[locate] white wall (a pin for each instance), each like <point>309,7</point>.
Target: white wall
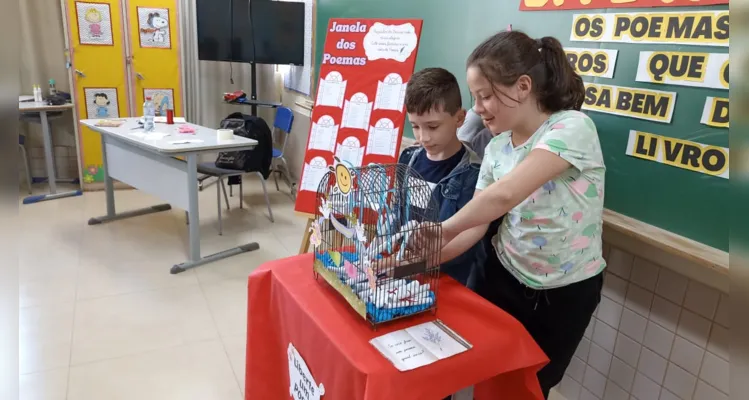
<point>657,333</point>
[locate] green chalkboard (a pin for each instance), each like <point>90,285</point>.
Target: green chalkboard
<point>687,203</point>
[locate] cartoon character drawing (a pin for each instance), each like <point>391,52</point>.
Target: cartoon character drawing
<point>101,101</point>
<point>157,25</point>
<point>343,178</point>
<point>93,16</point>
<point>161,102</point>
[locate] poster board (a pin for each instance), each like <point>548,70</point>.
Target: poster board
<point>684,202</point>
<point>359,109</point>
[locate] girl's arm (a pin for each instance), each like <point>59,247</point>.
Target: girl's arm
<point>501,196</point>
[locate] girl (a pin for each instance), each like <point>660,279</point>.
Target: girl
<point>543,174</point>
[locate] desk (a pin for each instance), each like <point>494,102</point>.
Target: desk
<point>286,305</point>
<point>42,108</point>
<point>130,156</point>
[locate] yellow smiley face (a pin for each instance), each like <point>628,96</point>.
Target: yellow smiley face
<point>343,178</point>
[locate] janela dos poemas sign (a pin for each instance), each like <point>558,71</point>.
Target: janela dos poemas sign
<point>359,110</point>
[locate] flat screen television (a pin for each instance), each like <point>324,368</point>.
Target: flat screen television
<point>259,31</point>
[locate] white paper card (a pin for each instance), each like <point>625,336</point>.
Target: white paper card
<point>357,112</point>
<point>383,138</point>
<point>324,134</point>
<point>351,151</point>
<point>313,174</point>
<point>420,345</point>
<point>391,92</point>
<point>331,90</point>
<point>302,384</point>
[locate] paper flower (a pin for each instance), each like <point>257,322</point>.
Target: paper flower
<point>315,236</point>
<point>350,269</point>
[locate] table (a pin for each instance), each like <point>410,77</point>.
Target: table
<point>148,162</point>
<point>287,305</point>
<point>42,108</point>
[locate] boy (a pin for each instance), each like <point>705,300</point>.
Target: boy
<point>448,166</point>
<point>474,133</point>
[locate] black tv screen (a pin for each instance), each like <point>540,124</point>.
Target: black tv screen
<point>264,32</point>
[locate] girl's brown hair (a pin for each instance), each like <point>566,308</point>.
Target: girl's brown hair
<point>506,56</point>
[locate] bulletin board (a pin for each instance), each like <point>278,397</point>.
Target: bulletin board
<point>664,143</point>
<point>359,109</point>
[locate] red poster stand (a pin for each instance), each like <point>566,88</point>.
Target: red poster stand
<point>359,112</point>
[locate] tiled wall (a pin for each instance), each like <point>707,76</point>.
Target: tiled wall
<point>656,335</point>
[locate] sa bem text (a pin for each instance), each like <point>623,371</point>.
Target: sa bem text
<point>639,103</point>
<point>344,44</point>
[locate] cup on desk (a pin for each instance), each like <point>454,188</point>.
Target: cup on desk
<point>169,116</point>
<point>224,134</point>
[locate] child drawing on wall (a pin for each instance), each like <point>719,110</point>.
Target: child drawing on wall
<point>101,101</point>
<point>161,102</point>
<point>93,16</point>
<point>156,25</point>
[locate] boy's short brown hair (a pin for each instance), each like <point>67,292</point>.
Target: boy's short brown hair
<point>433,89</point>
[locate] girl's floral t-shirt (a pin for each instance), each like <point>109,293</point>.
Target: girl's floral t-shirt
<point>553,238</point>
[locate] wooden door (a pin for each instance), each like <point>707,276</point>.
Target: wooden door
<point>100,81</point>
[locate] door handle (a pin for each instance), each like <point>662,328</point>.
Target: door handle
<point>80,73</point>
<point>139,76</point>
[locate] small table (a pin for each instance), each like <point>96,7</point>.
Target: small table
<point>286,305</point>
<point>147,161</point>
<point>42,108</point>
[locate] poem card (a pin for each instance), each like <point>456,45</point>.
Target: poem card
<point>323,134</point>
<point>357,112</point>
<point>313,174</point>
<point>391,92</point>
<point>350,150</point>
<point>331,90</point>
<point>383,138</point>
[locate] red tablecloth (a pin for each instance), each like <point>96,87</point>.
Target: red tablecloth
<point>286,304</point>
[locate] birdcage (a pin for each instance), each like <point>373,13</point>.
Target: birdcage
<point>363,233</point>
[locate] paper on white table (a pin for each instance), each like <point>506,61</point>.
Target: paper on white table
<point>162,120</point>
<point>420,345</point>
<point>186,141</point>
<point>150,135</point>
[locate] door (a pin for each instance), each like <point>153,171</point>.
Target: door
<point>154,54</point>
<point>100,81</point>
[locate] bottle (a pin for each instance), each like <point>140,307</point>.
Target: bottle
<point>149,112</point>
<point>52,88</point>
<point>37,93</point>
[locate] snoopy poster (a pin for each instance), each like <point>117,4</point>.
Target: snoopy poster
<point>153,27</point>
<point>94,23</point>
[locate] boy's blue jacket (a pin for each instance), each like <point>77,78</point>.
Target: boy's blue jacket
<point>452,193</point>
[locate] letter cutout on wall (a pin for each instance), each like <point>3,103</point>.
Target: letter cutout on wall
<point>592,62</point>
<point>695,28</point>
<point>692,156</point>
<point>709,70</point>
<point>651,105</point>
<point>715,112</point>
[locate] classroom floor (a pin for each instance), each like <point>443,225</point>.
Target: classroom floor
<point>102,318</point>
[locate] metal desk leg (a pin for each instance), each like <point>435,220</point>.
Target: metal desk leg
<point>109,192</point>
<point>50,161</point>
<point>194,227</point>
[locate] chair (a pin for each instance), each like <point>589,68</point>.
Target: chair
<point>22,147</point>
<point>282,124</point>
<point>210,169</point>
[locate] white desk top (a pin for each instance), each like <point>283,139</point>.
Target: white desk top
<point>167,139</point>
<point>38,106</point>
